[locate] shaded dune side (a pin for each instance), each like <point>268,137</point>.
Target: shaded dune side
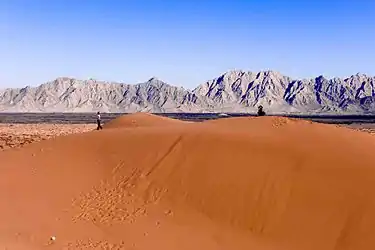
<point>305,185</point>
<point>141,120</point>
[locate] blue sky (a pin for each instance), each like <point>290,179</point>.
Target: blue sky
<point>183,43</point>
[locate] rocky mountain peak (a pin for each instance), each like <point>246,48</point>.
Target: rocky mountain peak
<point>154,79</point>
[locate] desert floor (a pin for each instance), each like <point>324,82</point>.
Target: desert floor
<point>17,135</point>
<point>149,182</point>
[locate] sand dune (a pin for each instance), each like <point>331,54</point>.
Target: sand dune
<point>236,183</point>
<point>141,120</point>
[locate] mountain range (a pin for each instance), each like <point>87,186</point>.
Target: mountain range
<point>233,91</point>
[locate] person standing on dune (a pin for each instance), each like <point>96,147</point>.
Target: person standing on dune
<point>261,111</point>
<point>98,121</point>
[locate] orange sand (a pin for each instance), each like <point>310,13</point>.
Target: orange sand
<point>237,183</point>
<point>141,120</point>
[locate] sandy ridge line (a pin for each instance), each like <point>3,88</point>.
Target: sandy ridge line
<point>18,135</point>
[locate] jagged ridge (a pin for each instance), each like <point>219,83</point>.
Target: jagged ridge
<point>234,91</point>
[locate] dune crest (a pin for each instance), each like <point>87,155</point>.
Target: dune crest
<point>236,183</point>
<point>141,120</point>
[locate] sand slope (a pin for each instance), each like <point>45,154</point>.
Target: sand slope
<point>141,120</point>
<point>237,183</point>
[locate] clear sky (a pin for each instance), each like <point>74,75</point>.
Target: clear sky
<point>182,42</point>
